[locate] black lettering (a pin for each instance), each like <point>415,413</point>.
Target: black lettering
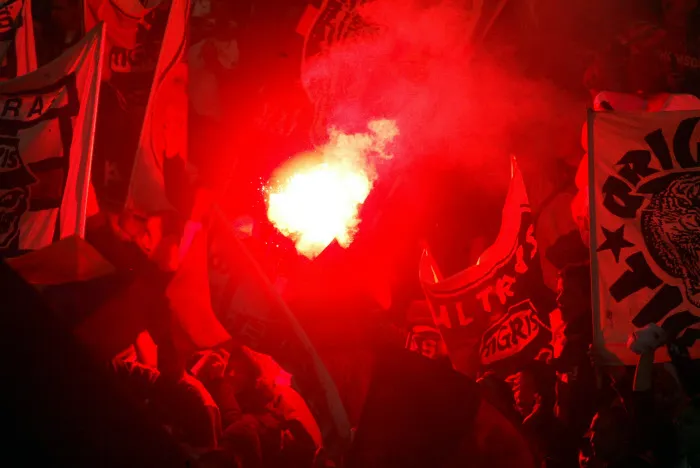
<point>489,347</point>
<point>675,324</point>
<point>503,338</point>
<point>681,143</point>
<point>12,104</point>
<point>493,346</point>
<point>689,337</point>
<point>639,277</point>
<point>534,323</point>
<point>516,330</point>
<point>6,156</point>
<point>619,200</point>
<point>664,301</point>
<point>528,324</point>
<point>37,107</point>
<point>658,145</point>
<point>635,166</point>
<point>119,59</point>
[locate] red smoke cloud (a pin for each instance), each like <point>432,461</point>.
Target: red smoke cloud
<point>461,111</point>
<point>415,63</point>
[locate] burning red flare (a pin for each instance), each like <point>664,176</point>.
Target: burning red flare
<point>316,197</point>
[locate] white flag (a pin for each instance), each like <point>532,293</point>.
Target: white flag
<point>645,226</point>
<point>17,27</point>
<point>164,133</point>
<point>47,121</point>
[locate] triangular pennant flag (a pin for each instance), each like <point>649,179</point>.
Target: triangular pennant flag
<point>494,315</point>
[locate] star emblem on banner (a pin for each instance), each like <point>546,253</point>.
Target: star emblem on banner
<point>615,241</point>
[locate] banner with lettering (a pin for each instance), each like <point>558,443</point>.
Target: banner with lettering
<point>494,315</point>
<point>47,120</point>
<point>644,176</point>
<point>17,27</point>
<point>134,35</point>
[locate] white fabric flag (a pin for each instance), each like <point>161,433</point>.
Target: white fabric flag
<point>644,179</point>
<point>17,27</point>
<point>164,133</point>
<point>47,121</point>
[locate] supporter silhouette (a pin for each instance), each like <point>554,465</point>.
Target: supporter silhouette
<point>258,431</point>
<point>181,404</point>
<point>576,382</point>
<point>535,395</point>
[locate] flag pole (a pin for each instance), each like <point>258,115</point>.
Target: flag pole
<point>91,116</point>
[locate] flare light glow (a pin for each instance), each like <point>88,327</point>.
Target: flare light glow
<point>315,198</point>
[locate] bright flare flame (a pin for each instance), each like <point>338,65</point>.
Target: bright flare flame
<point>316,197</point>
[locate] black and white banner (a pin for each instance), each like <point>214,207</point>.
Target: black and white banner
<point>644,179</point>
<point>47,121</point>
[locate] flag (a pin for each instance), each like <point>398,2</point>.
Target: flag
<point>46,134</point>
<point>164,132</point>
<point>134,36</point>
<point>132,43</point>
<point>253,313</point>
<point>17,27</point>
<point>643,180</point>
<point>625,103</point>
<point>189,299</point>
<point>494,315</point>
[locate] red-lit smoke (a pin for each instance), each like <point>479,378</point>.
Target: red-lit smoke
<point>416,63</point>
<point>457,106</point>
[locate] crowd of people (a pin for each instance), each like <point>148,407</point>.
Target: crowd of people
<point>231,406</point>
<point>573,409</point>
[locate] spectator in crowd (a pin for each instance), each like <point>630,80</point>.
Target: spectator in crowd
<point>535,397</point>
<point>499,394</point>
<point>265,423</point>
<point>576,378</point>
<point>236,407</point>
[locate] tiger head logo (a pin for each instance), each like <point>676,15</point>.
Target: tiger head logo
<point>671,227</point>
